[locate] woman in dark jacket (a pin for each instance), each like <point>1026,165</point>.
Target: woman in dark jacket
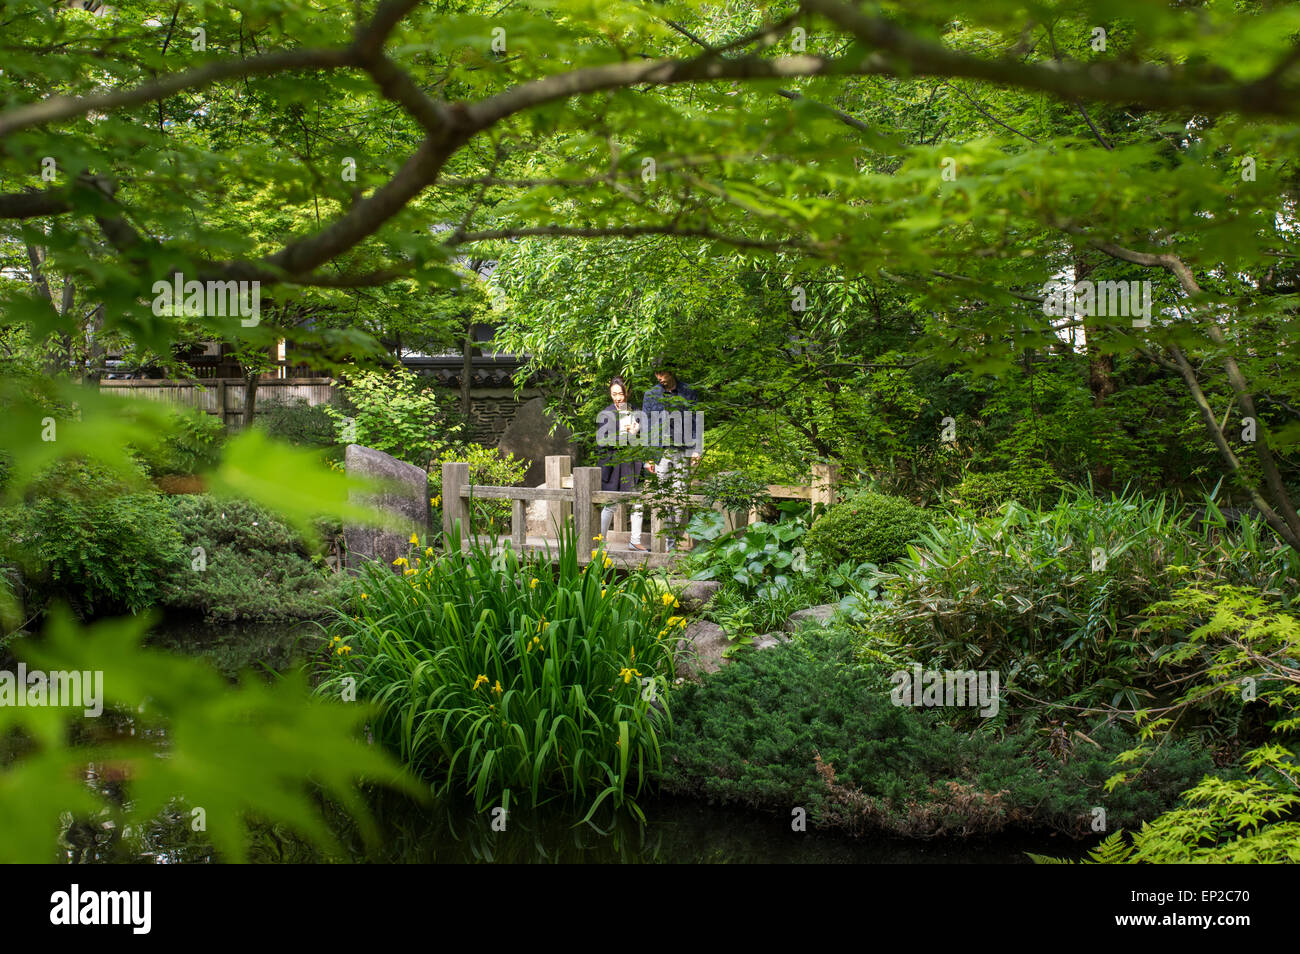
<point>620,467</point>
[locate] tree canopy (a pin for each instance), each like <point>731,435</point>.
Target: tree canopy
<point>827,209</point>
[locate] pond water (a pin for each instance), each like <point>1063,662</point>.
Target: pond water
<point>677,831</point>
<point>680,831</point>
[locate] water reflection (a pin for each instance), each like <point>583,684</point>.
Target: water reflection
<point>677,832</point>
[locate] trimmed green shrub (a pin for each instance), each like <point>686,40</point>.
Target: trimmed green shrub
<point>87,537</point>
<point>803,724</point>
<point>254,566</point>
<point>869,528</point>
<point>297,422</point>
<point>985,493</point>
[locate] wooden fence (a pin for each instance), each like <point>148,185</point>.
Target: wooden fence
<point>573,495</point>
<point>223,397</point>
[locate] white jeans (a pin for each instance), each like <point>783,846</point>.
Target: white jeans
<point>607,519</point>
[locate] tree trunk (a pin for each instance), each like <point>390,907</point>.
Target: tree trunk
<point>66,303</point>
<point>94,346</point>
<point>250,398</point>
<point>1101,376</point>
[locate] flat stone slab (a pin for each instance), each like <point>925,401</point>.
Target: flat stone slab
<point>812,616</point>
<point>405,497</point>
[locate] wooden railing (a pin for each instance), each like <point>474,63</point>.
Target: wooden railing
<point>574,494</point>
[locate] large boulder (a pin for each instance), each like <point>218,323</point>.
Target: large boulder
<point>530,437</point>
<point>702,644</point>
<point>404,497</point>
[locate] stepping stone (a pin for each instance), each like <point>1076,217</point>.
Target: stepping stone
<point>768,640</point>
<point>695,594</point>
<point>812,616</point>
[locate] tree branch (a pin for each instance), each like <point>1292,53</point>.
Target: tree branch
<point>1153,86</point>
<point>56,108</point>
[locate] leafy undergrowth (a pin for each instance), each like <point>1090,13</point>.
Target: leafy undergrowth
<point>804,725</point>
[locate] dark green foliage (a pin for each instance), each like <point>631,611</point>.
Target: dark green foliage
<point>297,422</point>
<point>194,445</point>
<point>1243,640</point>
<point>868,528</point>
<point>87,537</point>
<point>803,724</point>
<point>257,567</point>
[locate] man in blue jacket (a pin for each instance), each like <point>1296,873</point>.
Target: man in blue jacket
<point>677,429</point>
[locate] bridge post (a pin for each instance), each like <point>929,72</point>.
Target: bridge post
<point>558,512</point>
<point>518,525</point>
<point>586,481</point>
<point>824,479</point>
<point>455,484</point>
<point>657,542</point>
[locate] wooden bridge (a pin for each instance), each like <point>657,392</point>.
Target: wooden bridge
<point>573,496</point>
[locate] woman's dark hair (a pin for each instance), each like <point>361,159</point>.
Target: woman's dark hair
<point>617,379</point>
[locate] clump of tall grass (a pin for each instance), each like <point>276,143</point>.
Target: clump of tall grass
<point>1053,597</point>
<point>503,676</point>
